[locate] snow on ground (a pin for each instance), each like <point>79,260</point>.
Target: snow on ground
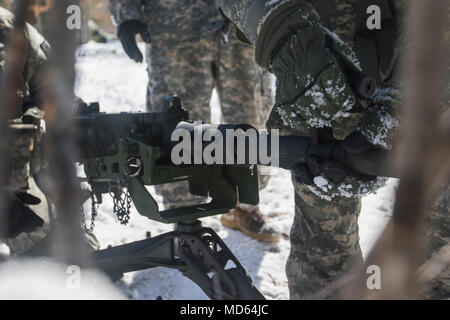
<point>106,75</point>
<point>44,279</point>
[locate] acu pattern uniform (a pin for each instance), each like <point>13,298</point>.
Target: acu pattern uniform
<point>324,236</point>
<point>23,151</point>
<point>193,50</point>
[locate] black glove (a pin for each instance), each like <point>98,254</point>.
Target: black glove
<point>16,216</point>
<point>316,165</point>
<point>82,108</point>
<point>127,35</point>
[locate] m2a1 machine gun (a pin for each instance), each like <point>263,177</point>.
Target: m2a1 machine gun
<point>122,153</point>
<point>125,152</point>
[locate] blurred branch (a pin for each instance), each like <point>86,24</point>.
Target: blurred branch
<point>422,158</point>
<point>59,143</point>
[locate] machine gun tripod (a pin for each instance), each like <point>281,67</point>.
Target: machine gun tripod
<point>197,252</point>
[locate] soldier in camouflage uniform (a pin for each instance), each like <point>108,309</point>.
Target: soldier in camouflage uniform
<point>29,211</point>
<point>194,50</point>
<point>310,47</point>
<point>26,220</point>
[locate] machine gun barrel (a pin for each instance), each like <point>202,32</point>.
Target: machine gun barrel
<point>290,151</point>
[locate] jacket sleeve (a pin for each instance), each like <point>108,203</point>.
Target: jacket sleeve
<point>33,63</point>
<point>268,23</point>
<point>123,10</point>
<point>36,65</point>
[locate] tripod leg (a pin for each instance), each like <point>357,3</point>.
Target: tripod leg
<point>208,261</point>
<point>199,253</point>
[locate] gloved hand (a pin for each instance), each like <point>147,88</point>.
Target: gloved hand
<point>328,178</point>
<point>334,171</point>
<point>314,167</point>
<point>381,120</point>
<point>82,108</point>
<point>16,216</point>
<point>127,35</point>
<point>313,90</point>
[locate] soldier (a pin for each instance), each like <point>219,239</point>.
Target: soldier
<point>26,207</point>
<point>27,221</point>
<point>194,50</point>
<point>317,49</point>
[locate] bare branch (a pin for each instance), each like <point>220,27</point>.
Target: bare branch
<point>60,146</point>
<point>422,157</point>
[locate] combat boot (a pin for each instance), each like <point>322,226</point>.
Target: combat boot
<point>249,219</point>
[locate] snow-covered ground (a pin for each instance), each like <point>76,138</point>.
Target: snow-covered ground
<point>106,75</point>
<point>45,279</point>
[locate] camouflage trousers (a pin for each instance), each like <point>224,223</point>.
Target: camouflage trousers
<point>325,242</point>
<point>192,71</point>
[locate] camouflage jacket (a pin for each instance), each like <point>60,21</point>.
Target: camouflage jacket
<point>23,152</point>
<point>268,23</point>
<point>170,22</point>
<point>338,16</point>
<point>36,57</point>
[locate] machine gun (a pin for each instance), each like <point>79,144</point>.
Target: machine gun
<point>122,153</point>
<point>128,151</point>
